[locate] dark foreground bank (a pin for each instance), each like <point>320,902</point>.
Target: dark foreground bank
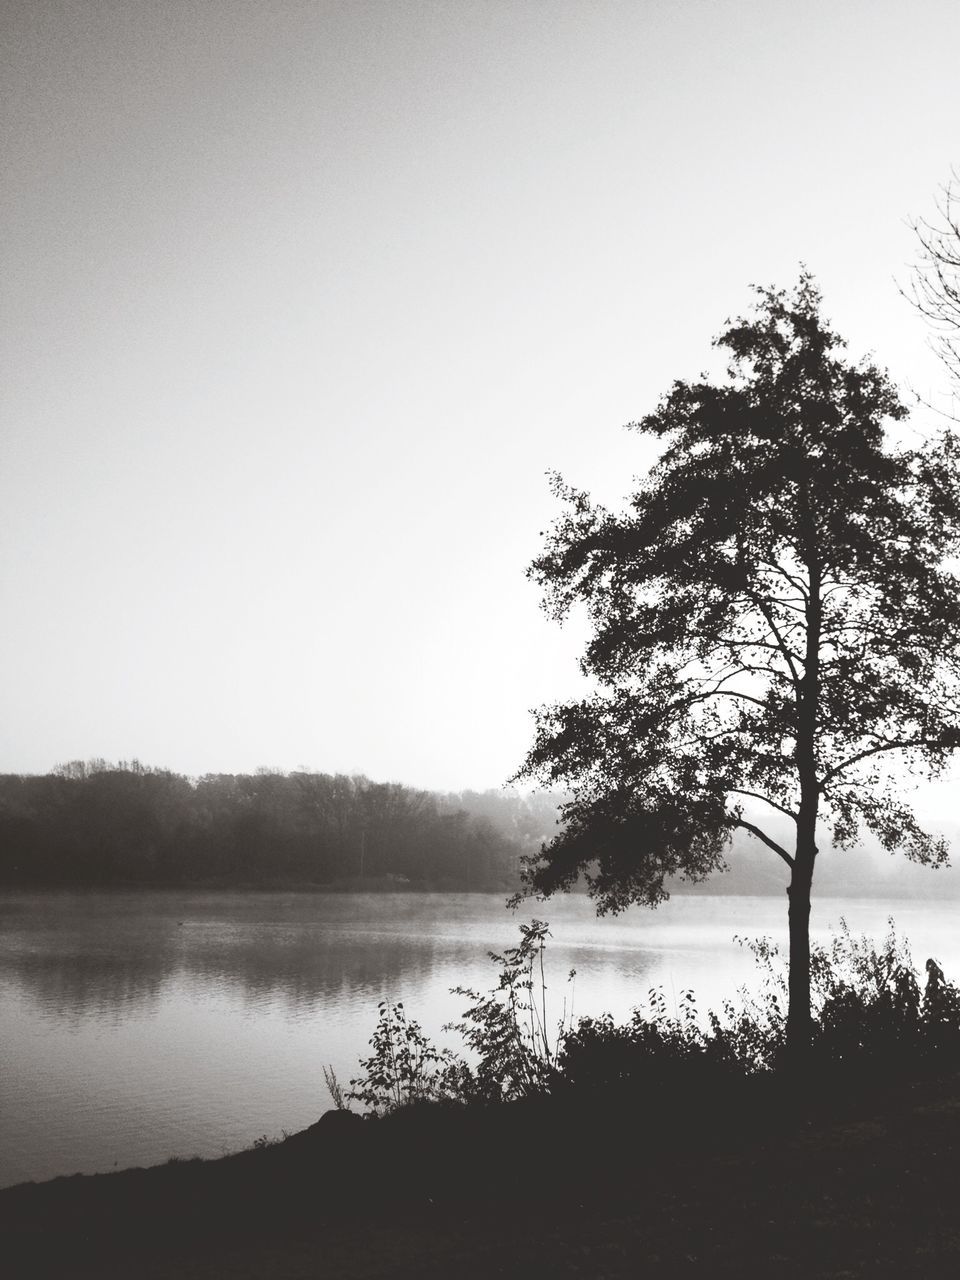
<point>852,1187</point>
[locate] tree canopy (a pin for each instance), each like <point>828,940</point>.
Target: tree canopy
<point>773,617</point>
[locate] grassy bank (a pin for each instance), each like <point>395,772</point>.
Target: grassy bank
<point>849,1186</point>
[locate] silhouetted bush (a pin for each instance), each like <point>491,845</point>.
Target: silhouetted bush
<point>873,1024</point>
<point>508,1028</point>
<point>405,1067</point>
<point>873,1015</point>
<point>652,1050</point>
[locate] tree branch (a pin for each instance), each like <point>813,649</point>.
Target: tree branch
<point>766,800</point>
<point>721,693</point>
<point>794,581</point>
<point>768,616</point>
<point>771,844</point>
<point>904,744</point>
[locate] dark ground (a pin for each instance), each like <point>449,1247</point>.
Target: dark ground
<point>866,1187</point>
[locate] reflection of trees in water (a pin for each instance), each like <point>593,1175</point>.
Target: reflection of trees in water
<point>301,968</point>
<point>72,984</point>
<point>116,954</point>
<point>306,966</point>
<point>101,955</point>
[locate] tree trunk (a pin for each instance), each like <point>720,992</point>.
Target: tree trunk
<point>801,879</point>
<point>798,1013</point>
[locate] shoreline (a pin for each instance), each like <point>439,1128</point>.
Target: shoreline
<point>859,1187</point>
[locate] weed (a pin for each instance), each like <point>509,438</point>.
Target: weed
<point>405,1067</point>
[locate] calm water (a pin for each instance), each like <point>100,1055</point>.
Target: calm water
<point>138,1026</point>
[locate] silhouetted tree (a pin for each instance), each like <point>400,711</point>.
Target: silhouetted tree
<point>771,619</point>
<point>935,284</point>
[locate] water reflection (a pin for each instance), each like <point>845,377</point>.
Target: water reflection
<point>77,955</point>
<point>81,955</point>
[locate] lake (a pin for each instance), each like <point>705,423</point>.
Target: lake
<point>136,1026</point>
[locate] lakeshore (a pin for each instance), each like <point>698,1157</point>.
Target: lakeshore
<point>855,1187</point>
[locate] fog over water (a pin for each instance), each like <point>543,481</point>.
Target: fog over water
<point>139,1026</point>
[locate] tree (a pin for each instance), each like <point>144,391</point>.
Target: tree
<point>772,619</point>
<point>935,285</point>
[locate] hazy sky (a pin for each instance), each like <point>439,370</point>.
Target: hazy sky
<point>301,300</point>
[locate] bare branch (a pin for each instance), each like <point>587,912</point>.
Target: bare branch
<point>771,844</point>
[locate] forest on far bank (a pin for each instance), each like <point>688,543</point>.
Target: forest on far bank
<point>100,824</point>
<point>97,823</point>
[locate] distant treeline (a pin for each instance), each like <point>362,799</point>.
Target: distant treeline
<point>99,824</point>
<point>96,823</point>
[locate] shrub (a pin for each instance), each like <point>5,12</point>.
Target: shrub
<point>598,1054</point>
<point>940,1013</point>
<point>872,1022</point>
<point>507,1028</point>
<point>405,1067</point>
<point>872,1013</point>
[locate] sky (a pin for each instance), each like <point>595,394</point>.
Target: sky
<point>302,301</point>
